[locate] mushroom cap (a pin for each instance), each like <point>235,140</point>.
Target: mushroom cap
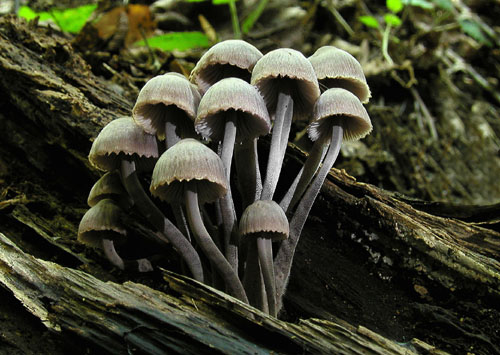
<point>189,161</point>
<point>286,68</point>
<point>102,221</point>
<point>265,219</point>
<point>109,186</point>
<point>123,138</point>
<point>228,96</point>
<point>335,67</point>
<point>339,106</point>
<point>167,97</point>
<point>230,58</point>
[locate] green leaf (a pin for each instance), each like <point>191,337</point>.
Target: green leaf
<point>392,20</point>
<point>444,4</point>
<point>72,20</point>
<point>423,4</point>
<point>222,2</point>
<point>181,41</point>
<point>472,28</point>
<point>394,5</point>
<point>253,16</point>
<point>68,20</point>
<point>369,21</point>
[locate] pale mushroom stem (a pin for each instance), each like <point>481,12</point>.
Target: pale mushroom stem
<point>109,250</point>
<point>168,231</point>
<point>276,151</point>
<point>226,203</point>
<point>253,281</point>
<point>305,175</point>
<point>248,172</point>
<point>171,138</point>
<point>207,245</point>
<point>283,260</point>
<point>265,249</point>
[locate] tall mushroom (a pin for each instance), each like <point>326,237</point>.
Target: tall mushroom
<point>286,80</point>
<point>191,173</point>
<point>338,114</point>
<point>266,222</point>
<point>232,111</point>
<point>123,144</point>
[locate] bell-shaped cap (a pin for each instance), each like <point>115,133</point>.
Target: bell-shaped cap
<point>167,97</point>
<point>339,106</point>
<point>109,186</point>
<point>287,68</point>
<point>335,67</point>
<point>229,96</point>
<point>123,138</point>
<point>230,58</point>
<point>188,162</point>
<point>264,219</point>
<point>102,221</point>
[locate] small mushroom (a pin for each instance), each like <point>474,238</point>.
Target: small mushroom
<point>109,186</point>
<point>338,115</point>
<point>230,58</point>
<point>286,80</point>
<point>191,173</point>
<point>123,144</point>
<point>336,68</point>
<point>265,221</point>
<point>166,106</point>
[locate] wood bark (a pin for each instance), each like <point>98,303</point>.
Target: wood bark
<point>373,271</point>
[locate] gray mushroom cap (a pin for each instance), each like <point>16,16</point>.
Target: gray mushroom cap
<point>123,138</point>
<point>339,106</point>
<point>188,161</point>
<point>230,58</point>
<point>265,219</point>
<point>102,221</point>
<point>285,67</point>
<point>167,97</point>
<point>335,67</point>
<point>232,95</point>
<point>109,186</point>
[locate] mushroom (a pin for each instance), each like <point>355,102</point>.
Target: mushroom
<point>109,186</point>
<point>265,221</point>
<point>191,173</point>
<point>100,226</point>
<point>336,68</point>
<point>338,114</point>
<point>230,58</point>
<point>166,106</point>
<point>123,144</point>
<point>231,111</point>
<point>286,80</point>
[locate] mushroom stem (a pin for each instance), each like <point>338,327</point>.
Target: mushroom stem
<point>168,231</point>
<point>265,249</point>
<point>109,250</point>
<point>248,172</point>
<point>252,281</point>
<point>171,136</point>
<point>304,176</point>
<point>283,113</point>
<point>283,260</point>
<point>207,245</point>
<point>226,203</point>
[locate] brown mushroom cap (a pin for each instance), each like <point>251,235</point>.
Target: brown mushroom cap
<point>232,95</point>
<point>109,186</point>
<point>231,58</point>
<point>338,105</point>
<point>335,67</point>
<point>285,67</point>
<point>102,221</point>
<point>123,138</point>
<point>265,218</point>
<point>188,161</point>
<point>167,97</point>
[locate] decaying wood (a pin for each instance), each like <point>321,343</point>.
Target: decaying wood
<point>366,256</point>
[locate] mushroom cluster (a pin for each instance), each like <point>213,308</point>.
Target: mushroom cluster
<point>183,136</point>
